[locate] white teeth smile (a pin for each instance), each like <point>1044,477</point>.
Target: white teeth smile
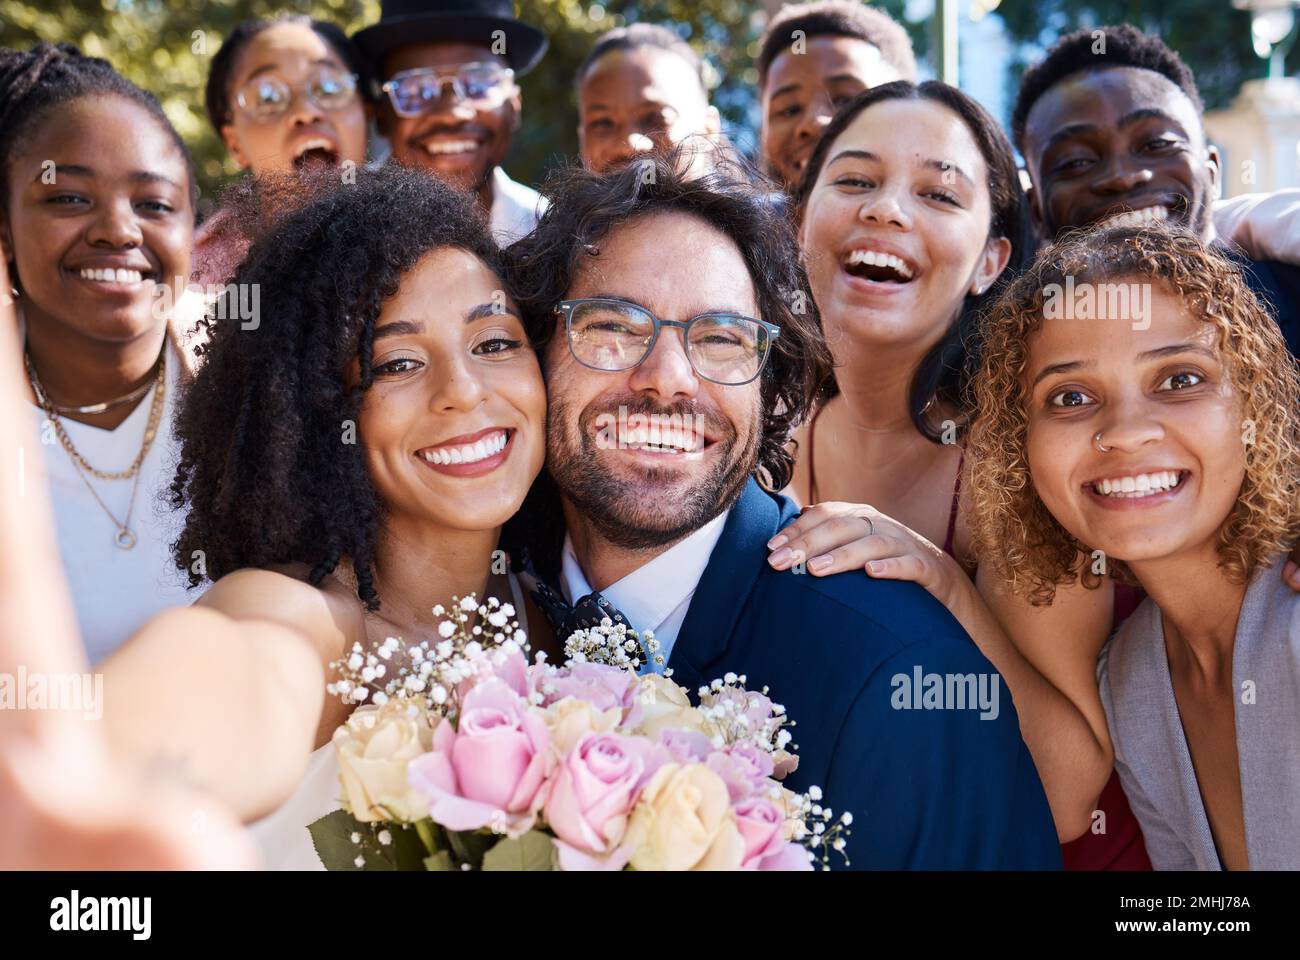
<point>878,258</point>
<point>438,147</point>
<point>112,276</point>
<point>1136,218</point>
<point>1139,485</point>
<point>488,446</point>
<point>667,440</point>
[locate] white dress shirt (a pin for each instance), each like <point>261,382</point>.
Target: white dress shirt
<point>515,208</point>
<point>656,595</point>
<point>1265,225</point>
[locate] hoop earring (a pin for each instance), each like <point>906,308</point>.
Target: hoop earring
<point>1096,442</point>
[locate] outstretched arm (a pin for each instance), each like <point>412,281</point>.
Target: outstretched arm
<point>1063,726</point>
<point>67,800</point>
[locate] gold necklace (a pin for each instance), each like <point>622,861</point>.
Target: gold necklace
<point>125,538</point>
<point>91,409</point>
<point>150,431</point>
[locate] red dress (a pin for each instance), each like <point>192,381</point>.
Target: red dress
<point>1121,846</point>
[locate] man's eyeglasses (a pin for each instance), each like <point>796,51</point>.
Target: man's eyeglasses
<point>485,85</point>
<point>268,96</point>
<point>609,334</point>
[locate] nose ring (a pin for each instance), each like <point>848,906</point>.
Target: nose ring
<point>1096,442</point>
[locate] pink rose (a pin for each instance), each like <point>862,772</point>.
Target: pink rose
<point>591,796</point>
<point>600,685</point>
<point>510,664</point>
<point>744,767</point>
<point>686,746</point>
<point>789,857</point>
<point>490,770</point>
<point>760,824</point>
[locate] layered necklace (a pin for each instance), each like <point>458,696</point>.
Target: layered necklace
<point>125,537</point>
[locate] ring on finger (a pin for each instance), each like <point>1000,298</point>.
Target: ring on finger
<point>871,527</point>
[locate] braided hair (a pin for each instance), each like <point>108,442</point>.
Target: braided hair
<point>35,81</point>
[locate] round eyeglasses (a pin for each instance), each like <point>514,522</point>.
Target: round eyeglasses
<point>414,92</point>
<point>267,97</point>
<point>606,333</point>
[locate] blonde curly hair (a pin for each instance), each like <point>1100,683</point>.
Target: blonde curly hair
<point>1012,529</point>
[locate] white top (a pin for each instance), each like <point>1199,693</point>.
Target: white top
<point>282,835</point>
<point>515,208</point>
<point>1265,225</point>
<point>113,590</point>
<point>656,595</point>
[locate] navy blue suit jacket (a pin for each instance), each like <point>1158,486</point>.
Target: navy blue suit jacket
<point>928,789</point>
<point>1278,285</point>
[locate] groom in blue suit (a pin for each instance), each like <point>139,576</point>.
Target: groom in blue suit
<point>679,351</point>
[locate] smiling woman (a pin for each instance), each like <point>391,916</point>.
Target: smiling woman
<point>350,463</point>
<point>1168,449</point>
<point>96,221</point>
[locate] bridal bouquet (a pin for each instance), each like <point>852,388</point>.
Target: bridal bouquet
<point>462,755</point>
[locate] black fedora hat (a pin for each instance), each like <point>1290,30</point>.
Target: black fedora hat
<point>405,22</point>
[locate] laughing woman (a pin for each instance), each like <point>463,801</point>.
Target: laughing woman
<point>96,219</point>
<point>1172,447</point>
<point>350,463</point>
<point>286,96</point>
<point>911,216</point>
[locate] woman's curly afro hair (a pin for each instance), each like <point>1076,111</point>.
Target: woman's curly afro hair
<point>1013,530</point>
<point>270,469</point>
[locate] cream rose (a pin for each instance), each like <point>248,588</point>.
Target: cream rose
<point>661,705</point>
<point>374,747</point>
<point>683,821</point>
<point>570,719</point>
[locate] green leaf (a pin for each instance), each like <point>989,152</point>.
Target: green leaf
<point>439,861</point>
<point>469,846</point>
<point>331,835</point>
<point>534,851</point>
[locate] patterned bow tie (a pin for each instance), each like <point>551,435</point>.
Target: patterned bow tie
<point>567,618</point>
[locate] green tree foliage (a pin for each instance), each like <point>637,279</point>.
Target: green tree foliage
<point>1212,36</point>
<point>165,46</point>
